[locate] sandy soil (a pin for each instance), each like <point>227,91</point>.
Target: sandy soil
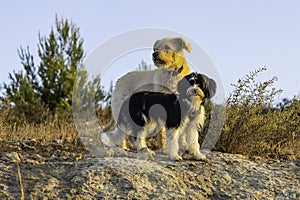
<point>58,173</point>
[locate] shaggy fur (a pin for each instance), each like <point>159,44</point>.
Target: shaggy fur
<point>168,53</point>
<point>181,115</point>
<point>168,56</point>
<point>138,81</point>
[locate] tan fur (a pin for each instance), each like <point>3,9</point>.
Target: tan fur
<point>170,61</point>
<point>176,140</point>
<point>171,55</point>
<point>158,80</point>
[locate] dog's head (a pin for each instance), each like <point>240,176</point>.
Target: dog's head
<point>197,87</point>
<point>168,53</point>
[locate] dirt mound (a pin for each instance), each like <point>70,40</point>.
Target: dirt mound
<point>73,175</point>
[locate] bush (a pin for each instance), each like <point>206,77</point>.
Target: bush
<point>254,125</point>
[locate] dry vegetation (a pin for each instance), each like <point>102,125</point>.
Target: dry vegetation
<point>254,125</point>
<point>42,134</point>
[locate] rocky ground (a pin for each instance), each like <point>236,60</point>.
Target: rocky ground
<point>63,174</point>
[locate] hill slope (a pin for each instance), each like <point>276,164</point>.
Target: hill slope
<point>65,175</point>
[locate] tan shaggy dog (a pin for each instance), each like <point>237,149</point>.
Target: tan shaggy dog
<point>168,53</point>
<point>168,57</point>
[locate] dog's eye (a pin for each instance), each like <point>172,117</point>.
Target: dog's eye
<point>192,81</point>
<point>167,48</point>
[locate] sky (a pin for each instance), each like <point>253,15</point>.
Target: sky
<point>238,36</point>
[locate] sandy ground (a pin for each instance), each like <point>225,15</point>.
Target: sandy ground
<point>62,174</point>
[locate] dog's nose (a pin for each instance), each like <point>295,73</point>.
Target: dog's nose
<point>155,54</point>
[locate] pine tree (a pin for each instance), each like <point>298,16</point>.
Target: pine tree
<point>48,86</point>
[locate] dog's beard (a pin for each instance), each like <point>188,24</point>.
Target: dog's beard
<point>160,62</point>
<point>164,59</point>
<point>195,91</point>
<point>195,96</point>
<point>169,59</point>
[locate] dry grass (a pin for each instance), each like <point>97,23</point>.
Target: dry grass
<point>254,126</point>
<point>17,160</point>
<point>273,134</point>
<point>43,134</point>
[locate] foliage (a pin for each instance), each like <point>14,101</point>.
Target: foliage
<point>46,89</point>
<point>255,126</point>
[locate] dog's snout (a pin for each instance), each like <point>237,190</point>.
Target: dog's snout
<point>194,91</point>
<point>155,54</point>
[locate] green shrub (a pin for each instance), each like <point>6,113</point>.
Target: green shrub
<point>254,125</point>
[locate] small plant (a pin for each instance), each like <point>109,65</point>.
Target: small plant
<point>255,126</point>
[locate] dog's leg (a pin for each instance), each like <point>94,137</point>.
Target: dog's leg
<point>173,144</point>
<point>113,139</point>
<point>141,139</point>
<point>161,139</point>
<point>127,144</point>
<point>144,152</point>
<point>182,143</point>
<point>192,143</point>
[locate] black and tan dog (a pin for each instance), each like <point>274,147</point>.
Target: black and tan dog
<point>168,57</point>
<point>181,115</point>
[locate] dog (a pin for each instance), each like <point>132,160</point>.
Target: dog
<point>138,81</point>
<point>168,53</point>
<point>168,56</point>
<point>181,115</point>
<point>158,80</point>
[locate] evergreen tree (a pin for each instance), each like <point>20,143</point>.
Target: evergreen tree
<point>48,86</point>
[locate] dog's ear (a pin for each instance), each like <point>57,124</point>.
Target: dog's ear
<point>183,44</point>
<point>155,44</point>
<point>212,87</point>
<point>209,86</point>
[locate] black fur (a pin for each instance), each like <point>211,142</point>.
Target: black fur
<point>169,108</point>
<point>207,85</point>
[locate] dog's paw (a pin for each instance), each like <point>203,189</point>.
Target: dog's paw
<point>176,158</point>
<point>145,154</point>
<point>201,157</point>
<point>163,151</point>
<point>146,150</point>
<point>179,158</point>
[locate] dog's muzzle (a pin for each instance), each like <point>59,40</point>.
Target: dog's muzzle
<point>192,91</point>
<point>156,59</point>
<point>155,55</point>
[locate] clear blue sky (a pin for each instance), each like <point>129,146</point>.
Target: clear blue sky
<point>239,36</point>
